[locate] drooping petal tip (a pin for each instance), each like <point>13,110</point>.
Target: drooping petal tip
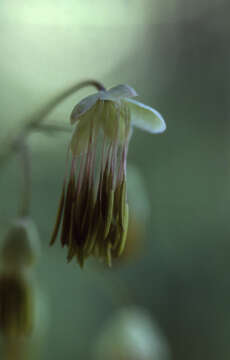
<point>83,106</point>
<point>145,117</point>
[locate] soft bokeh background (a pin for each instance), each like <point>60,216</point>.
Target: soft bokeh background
<point>176,55</point>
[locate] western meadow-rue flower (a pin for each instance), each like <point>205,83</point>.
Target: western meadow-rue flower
<point>93,204</point>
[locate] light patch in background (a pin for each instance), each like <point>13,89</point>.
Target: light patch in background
<point>43,43</point>
<point>87,12</point>
<point>131,334</point>
<point>48,46</point>
<point>103,13</point>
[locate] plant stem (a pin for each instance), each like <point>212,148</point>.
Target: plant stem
<point>37,117</point>
<point>26,173</point>
<point>40,115</point>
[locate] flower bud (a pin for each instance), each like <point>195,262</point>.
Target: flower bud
<point>16,305</point>
<point>21,244</point>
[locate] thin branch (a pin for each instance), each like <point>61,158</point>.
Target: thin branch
<point>26,174</point>
<point>11,144</point>
<point>15,349</point>
<point>39,116</point>
<point>50,129</point>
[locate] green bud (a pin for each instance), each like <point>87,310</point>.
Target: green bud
<point>16,305</point>
<point>21,244</point>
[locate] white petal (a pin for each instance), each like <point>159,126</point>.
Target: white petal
<point>83,106</point>
<point>145,117</point>
<point>118,92</point>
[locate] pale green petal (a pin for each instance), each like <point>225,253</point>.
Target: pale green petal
<point>115,121</point>
<point>80,138</point>
<point>118,92</point>
<point>145,117</point>
<point>89,121</point>
<point>83,106</point>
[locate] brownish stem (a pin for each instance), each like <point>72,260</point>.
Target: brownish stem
<point>40,115</point>
<point>36,118</point>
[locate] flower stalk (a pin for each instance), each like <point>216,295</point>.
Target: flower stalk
<point>33,122</point>
<point>26,174</point>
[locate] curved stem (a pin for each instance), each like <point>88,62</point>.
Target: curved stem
<point>35,119</point>
<point>40,115</point>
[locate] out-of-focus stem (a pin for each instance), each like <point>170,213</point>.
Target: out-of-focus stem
<point>40,115</point>
<point>37,117</point>
<point>26,178</point>
<point>15,349</point>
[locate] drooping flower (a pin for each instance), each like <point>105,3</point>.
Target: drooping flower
<point>93,204</point>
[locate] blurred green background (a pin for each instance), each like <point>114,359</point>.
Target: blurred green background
<point>176,55</point>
